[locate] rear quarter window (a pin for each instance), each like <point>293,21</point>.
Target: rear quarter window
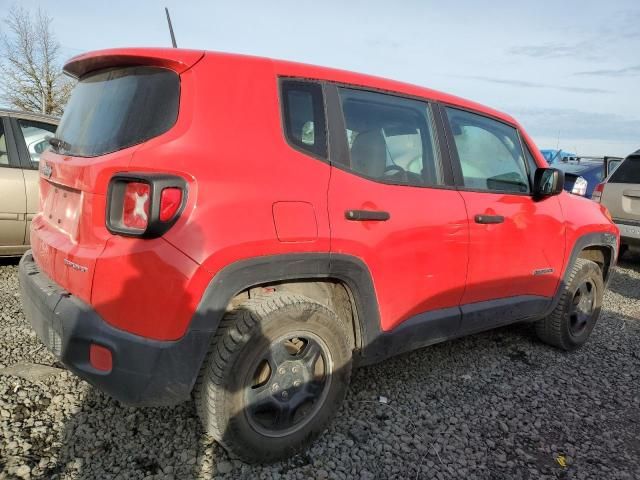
<point>303,116</point>
<point>117,108</point>
<point>627,172</point>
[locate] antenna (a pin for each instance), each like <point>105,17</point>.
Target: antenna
<point>173,37</point>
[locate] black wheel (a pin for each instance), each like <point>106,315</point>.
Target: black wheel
<point>276,373</point>
<point>573,319</point>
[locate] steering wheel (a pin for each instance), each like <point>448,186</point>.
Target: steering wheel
<point>393,169</point>
<point>396,171</point>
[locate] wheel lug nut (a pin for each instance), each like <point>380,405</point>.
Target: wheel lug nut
<point>274,387</point>
<point>296,383</point>
<point>294,369</point>
<point>281,371</point>
<point>285,394</point>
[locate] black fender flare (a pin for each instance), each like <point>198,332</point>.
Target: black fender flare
<point>243,274</point>
<point>594,239</point>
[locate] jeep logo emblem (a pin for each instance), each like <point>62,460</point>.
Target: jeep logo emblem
<point>47,170</point>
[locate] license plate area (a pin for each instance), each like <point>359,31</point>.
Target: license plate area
<point>61,208</point>
<point>48,328</point>
<point>51,338</point>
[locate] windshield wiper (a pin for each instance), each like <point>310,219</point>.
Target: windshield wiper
<point>58,144</point>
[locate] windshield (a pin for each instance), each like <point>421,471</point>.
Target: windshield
<point>119,107</point>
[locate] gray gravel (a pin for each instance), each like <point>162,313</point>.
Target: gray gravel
<point>498,405</point>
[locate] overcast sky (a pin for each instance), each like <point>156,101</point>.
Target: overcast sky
<point>568,70</point>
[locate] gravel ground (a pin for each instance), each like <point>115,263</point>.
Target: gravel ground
<point>498,405</point>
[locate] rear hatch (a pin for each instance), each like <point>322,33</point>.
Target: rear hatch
<point>621,194</point>
<point>122,99</point>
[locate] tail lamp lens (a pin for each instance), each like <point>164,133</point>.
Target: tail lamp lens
<point>144,204</point>
<point>170,201</point>
<point>597,192</point>
<point>135,205</point>
<point>580,187</point>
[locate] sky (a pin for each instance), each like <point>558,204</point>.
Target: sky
<point>569,70</point>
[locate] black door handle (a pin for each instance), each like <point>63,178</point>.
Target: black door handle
<point>361,215</point>
<point>489,219</point>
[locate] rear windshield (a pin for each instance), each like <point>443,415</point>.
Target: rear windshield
<point>119,107</point>
<point>627,172</point>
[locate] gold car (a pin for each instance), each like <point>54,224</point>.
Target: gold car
<point>23,137</point>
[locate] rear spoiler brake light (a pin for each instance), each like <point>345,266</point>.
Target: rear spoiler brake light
<point>174,59</point>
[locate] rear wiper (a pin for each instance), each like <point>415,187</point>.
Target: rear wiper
<point>58,144</point>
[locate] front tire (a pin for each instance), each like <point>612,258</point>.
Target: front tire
<point>572,320</point>
<point>275,376</point>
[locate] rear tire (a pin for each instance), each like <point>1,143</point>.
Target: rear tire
<point>623,250</point>
<point>276,373</point>
<point>572,320</point>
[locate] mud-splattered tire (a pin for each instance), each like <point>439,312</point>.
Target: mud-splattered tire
<point>571,322</point>
<point>276,373</point>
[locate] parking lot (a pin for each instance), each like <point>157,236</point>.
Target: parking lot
<point>498,405</point>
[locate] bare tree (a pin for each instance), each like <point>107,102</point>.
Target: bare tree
<point>32,77</point>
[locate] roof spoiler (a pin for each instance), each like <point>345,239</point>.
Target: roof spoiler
<point>175,59</point>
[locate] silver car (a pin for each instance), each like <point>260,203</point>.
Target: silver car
<point>23,137</point>
<point>620,193</point>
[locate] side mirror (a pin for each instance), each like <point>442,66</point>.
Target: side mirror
<point>548,182</point>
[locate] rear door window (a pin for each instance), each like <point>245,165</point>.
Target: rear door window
<point>117,108</point>
<point>9,156</point>
<point>36,137</point>
<point>303,116</point>
<point>391,139</point>
<point>627,172</point>
<point>4,149</point>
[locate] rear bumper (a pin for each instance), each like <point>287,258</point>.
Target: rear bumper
<point>145,372</point>
<point>629,234</point>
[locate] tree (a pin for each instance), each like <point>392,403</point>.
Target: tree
<point>32,77</point>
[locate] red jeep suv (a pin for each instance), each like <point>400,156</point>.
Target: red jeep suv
<point>244,230</point>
